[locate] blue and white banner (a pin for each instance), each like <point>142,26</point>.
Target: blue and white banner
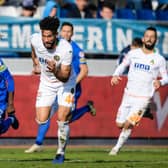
<point>94,36</point>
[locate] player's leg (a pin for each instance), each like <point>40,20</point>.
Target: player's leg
<point>15,122</point>
<point>63,133</point>
<point>136,112</point>
<point>6,123</point>
<point>124,135</point>
<point>65,101</point>
<point>42,118</point>
<point>78,113</point>
<point>43,128</point>
<point>148,113</point>
<point>121,118</point>
<point>43,106</point>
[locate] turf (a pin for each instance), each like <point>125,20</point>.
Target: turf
<point>87,157</point>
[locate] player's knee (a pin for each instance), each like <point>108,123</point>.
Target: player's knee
<point>63,117</point>
<point>128,125</point>
<point>120,125</point>
<point>41,121</point>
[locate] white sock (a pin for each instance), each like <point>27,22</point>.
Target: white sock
<point>124,135</point>
<point>63,136</point>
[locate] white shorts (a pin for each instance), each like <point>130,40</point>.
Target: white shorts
<point>47,95</point>
<point>132,109</point>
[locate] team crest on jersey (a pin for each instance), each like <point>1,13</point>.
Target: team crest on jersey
<point>152,62</point>
<point>56,57</point>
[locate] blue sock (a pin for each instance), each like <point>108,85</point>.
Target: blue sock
<point>78,113</point>
<point>5,124</point>
<point>42,130</point>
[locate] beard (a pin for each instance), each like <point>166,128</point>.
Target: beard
<point>149,46</point>
<point>50,45</point>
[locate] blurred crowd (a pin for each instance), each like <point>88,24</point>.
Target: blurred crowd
<point>106,9</point>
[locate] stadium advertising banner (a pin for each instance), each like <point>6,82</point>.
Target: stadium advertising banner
<point>106,99</point>
<point>94,36</point>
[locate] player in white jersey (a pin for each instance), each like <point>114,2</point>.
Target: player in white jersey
<point>53,57</point>
<point>145,66</point>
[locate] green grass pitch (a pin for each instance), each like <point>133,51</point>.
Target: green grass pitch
<point>87,157</point>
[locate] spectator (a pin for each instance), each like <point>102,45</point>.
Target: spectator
<point>10,2</point>
<point>51,8</point>
<point>134,4</point>
<point>147,4</point>
<point>78,9</point>
<point>93,10</point>
<point>162,5</point>
<point>107,10</point>
<point>29,7</point>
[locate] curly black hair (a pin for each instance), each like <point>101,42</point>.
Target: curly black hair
<point>49,23</point>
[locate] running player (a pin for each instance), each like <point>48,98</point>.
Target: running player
<point>136,43</point>
<point>81,69</point>
<point>57,79</point>
<point>145,66</point>
<point>7,100</point>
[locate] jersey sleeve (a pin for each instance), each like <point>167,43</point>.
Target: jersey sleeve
<point>122,67</point>
<point>82,58</point>
<point>34,39</point>
<point>78,53</point>
<point>68,56</point>
<point>81,55</point>
<point>163,72</point>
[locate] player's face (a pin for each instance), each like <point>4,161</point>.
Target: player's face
<point>66,32</point>
<point>149,39</point>
<point>49,39</point>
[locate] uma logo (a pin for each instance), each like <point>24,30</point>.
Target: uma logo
<point>142,66</point>
<point>162,110</point>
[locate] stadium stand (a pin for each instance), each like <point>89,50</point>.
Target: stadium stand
<point>162,15</point>
<point>8,11</point>
<point>125,13</point>
<point>145,14</point>
<point>9,55</point>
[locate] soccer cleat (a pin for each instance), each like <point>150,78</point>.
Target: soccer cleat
<point>15,122</point>
<point>92,108</point>
<point>148,114</point>
<point>34,148</point>
<point>114,151</point>
<point>59,159</point>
